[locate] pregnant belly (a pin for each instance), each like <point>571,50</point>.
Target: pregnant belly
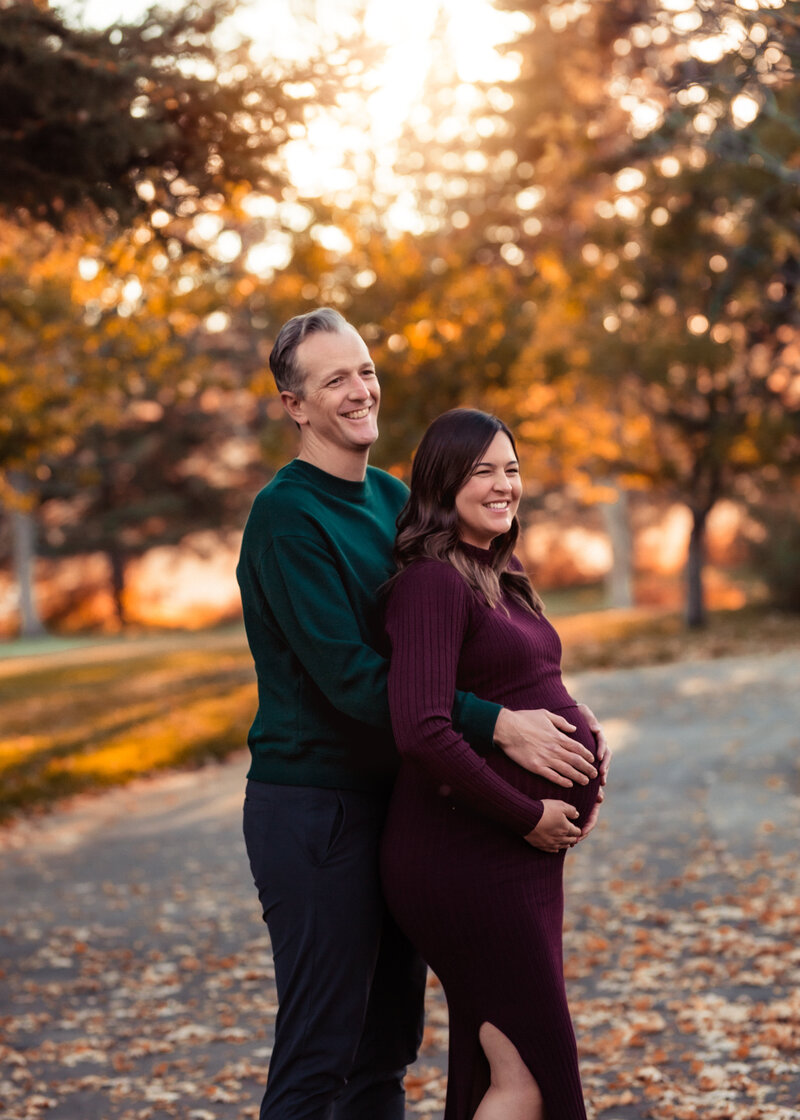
<point>535,786</point>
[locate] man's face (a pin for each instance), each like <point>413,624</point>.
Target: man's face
<point>341,395</point>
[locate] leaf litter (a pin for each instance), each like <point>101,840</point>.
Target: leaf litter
<point>685,993</point>
<point>136,981</point>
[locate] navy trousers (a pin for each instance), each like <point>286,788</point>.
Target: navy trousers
<point>350,985</point>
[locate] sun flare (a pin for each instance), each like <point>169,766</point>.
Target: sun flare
<point>360,136</point>
<point>413,34</point>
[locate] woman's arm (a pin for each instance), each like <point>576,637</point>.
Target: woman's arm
<point>427,617</point>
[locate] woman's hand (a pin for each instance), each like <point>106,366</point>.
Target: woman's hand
<point>537,742</point>
<point>603,749</point>
<point>591,820</point>
<point>555,830</point>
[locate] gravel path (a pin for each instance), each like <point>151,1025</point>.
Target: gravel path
<point>135,978</point>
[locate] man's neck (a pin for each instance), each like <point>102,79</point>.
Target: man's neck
<point>350,465</point>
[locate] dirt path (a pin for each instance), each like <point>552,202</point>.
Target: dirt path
<point>136,980</point>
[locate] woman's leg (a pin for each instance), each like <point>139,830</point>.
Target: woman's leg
<point>513,1093</point>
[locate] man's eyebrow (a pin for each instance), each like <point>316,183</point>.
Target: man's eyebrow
<point>346,369</point>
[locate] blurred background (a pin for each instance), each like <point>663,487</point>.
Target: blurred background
<point>583,215</point>
<point>580,215</point>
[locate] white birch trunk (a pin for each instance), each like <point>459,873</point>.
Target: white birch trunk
<point>23,528</point>
<point>619,581</point>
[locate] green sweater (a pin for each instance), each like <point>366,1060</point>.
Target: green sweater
<point>315,551</point>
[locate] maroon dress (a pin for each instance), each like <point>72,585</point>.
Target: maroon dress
<point>484,908</point>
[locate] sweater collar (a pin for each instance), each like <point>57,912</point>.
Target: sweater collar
<point>482,555</point>
<point>331,484</point>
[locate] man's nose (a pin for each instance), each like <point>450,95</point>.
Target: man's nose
<point>358,387</point>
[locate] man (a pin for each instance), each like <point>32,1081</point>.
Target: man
<point>316,549</point>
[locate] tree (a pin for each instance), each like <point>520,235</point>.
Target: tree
<point>702,320</point>
<point>141,119</point>
<point>441,330</point>
<point>41,339</point>
<point>659,228</point>
<point>163,473</point>
<point>149,122</point>
<point>112,365</point>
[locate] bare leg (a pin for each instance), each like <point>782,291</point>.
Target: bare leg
<point>513,1093</point>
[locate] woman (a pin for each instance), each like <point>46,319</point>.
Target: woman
<point>473,851</point>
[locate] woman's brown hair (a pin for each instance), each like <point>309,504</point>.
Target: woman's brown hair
<point>428,523</point>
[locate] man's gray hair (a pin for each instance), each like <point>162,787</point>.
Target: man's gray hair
<point>283,357</point>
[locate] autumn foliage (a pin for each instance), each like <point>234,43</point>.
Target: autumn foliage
<point>604,251</point>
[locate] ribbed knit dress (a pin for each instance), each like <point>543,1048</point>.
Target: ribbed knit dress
<point>484,908</point>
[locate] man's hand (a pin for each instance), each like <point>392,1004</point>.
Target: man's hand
<point>536,741</point>
<point>603,749</point>
<point>555,830</point>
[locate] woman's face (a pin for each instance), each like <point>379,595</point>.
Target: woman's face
<point>488,500</point>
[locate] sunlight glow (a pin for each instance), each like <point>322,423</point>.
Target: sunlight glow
<point>227,247</point>
<point>88,268</point>
<point>270,255</point>
<point>629,179</point>
<point>714,47</point>
<point>745,109</point>
<point>356,141</point>
<point>461,35</point>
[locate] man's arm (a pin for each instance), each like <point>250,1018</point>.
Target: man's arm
<point>317,620</point>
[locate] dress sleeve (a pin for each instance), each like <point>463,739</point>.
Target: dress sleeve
<point>427,617</point>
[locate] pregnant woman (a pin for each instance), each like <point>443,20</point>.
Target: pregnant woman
<point>473,851</point>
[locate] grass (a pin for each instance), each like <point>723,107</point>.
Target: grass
<point>83,716</point>
<point>96,716</point>
<point>622,639</point>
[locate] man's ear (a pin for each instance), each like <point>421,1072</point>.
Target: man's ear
<point>294,406</point>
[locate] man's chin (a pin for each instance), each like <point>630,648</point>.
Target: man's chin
<point>365,439</point>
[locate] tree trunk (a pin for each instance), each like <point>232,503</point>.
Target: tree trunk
<point>695,601</point>
<point>619,581</point>
<point>23,529</point>
<point>117,561</point>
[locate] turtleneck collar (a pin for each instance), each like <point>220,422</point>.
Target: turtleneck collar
<point>482,555</point>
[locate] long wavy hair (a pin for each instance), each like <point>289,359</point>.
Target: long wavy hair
<point>428,523</point>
